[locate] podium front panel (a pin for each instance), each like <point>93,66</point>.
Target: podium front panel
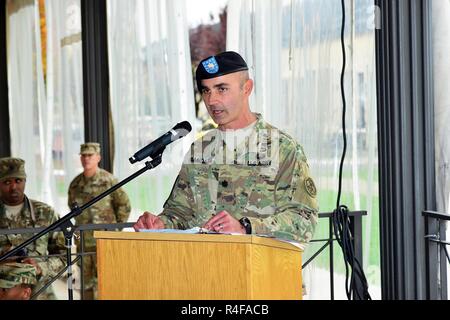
<point>195,267</point>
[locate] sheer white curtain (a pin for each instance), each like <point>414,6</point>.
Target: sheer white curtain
<point>25,85</point>
<point>65,92</point>
<point>441,59</point>
<point>294,51</point>
<point>46,103</point>
<point>151,90</point>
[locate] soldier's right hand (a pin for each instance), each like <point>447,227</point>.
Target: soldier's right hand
<point>148,221</point>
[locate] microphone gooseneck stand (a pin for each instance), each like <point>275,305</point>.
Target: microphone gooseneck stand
<point>68,228</point>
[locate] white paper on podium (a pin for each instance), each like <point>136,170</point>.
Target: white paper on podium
<point>188,231</point>
<point>198,230</point>
<point>297,244</point>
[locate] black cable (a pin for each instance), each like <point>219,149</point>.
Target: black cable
<point>341,220</point>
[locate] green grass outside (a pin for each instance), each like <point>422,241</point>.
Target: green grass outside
<point>347,172</point>
<point>327,202</point>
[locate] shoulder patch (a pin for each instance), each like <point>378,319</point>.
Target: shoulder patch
<point>310,187</point>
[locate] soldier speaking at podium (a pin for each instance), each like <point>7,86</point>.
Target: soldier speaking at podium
<point>244,177</point>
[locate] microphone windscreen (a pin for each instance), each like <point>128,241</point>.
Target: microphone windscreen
<point>183,125</point>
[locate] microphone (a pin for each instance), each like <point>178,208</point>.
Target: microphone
<point>158,145</point>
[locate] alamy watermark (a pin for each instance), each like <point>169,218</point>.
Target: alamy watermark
<point>260,148</point>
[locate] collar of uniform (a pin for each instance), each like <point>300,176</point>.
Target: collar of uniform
<point>237,136</point>
<point>97,172</point>
<point>24,212</point>
<point>260,123</point>
<point>24,203</point>
<point>13,211</point>
<point>213,138</point>
<point>262,142</point>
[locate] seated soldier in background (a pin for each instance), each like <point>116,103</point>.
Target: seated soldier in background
<point>17,211</point>
<point>17,280</point>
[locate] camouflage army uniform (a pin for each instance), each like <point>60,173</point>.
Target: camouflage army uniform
<point>13,274</point>
<point>114,208</point>
<point>269,184</point>
<point>35,214</point>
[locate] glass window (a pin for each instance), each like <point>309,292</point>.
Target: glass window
<point>294,50</point>
<point>46,94</point>
<point>151,90</point>
<point>441,71</point>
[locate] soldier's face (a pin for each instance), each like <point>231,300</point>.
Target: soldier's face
<point>90,161</point>
<point>12,191</point>
<point>15,293</point>
<point>226,98</point>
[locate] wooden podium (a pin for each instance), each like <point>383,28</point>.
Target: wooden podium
<point>172,266</point>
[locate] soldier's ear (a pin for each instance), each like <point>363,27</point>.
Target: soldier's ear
<point>26,293</point>
<point>248,87</point>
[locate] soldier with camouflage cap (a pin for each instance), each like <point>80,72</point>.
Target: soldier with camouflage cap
<point>17,280</point>
<point>115,208</point>
<point>266,188</point>
<point>17,211</point>
<point>90,148</point>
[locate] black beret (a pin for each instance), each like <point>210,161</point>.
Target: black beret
<point>219,65</point>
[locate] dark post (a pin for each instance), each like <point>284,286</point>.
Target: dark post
<point>96,78</point>
<point>405,144</point>
<point>5,136</point>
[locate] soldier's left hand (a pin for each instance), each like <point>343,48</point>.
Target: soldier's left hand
<point>224,222</point>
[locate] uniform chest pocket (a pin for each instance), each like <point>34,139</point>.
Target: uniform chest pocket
<point>248,182</point>
<point>102,211</point>
<point>198,178</point>
<point>263,189</point>
<point>198,175</point>
<point>104,203</point>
